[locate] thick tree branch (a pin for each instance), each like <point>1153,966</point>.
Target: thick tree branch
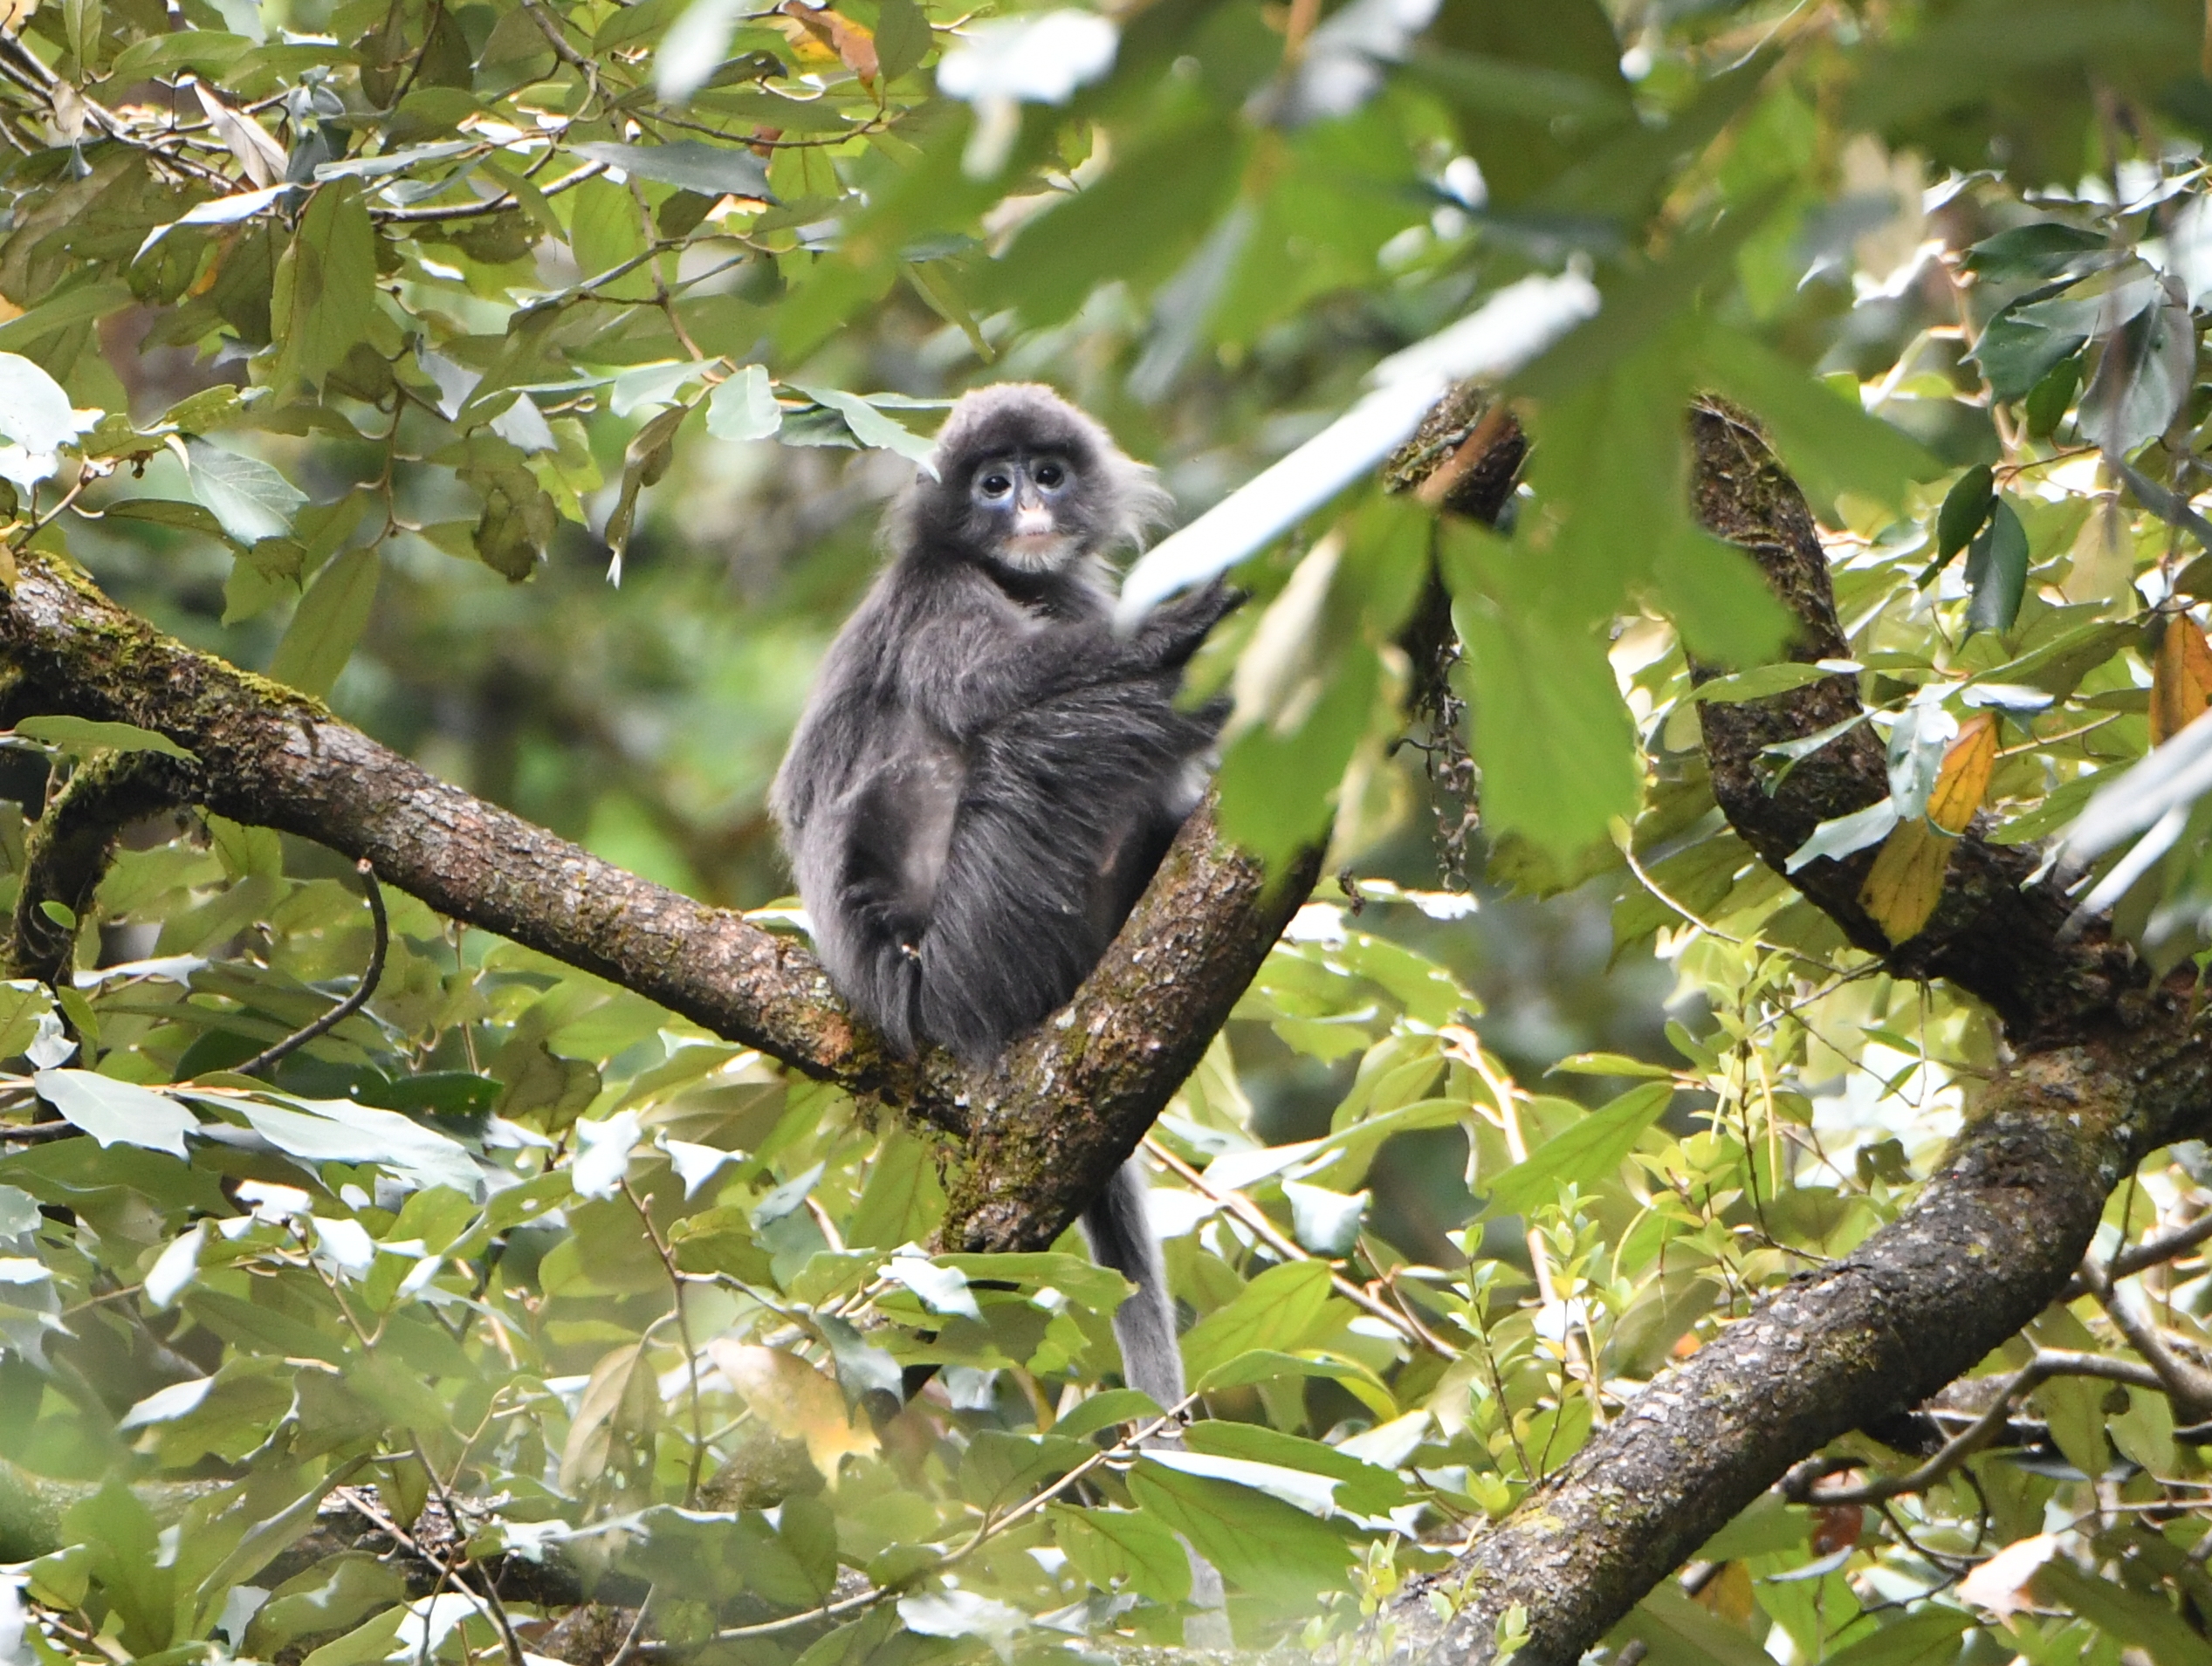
<point>1990,936</point>
<point>1041,1130</point>
<point>2107,1070</point>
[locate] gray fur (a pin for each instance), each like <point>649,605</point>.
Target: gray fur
<point>985,774</point>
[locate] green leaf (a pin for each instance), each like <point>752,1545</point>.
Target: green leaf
<point>1136,224</point>
<point>1760,682</point>
<point>1275,1311</point>
<point>328,622</point>
<point>743,407</point>
<point>1840,836</point>
<point>1997,572</point>
<point>1364,1488</point>
<point>1927,1638</point>
<point>1272,1365</point>
<point>343,1131</point>
<point>1589,1151</point>
<point>2034,252</point>
<point>81,23</point>
<point>1720,601</point>
<point>870,426</point>
<point>2016,350</point>
<point>1831,444</point>
<point>711,170</point>
<point>1108,1409</point>
<point>1273,1549</point>
<point>1768,1524</point>
<point>117,1113</point>
<point>208,51</point>
<point>2142,380</point>
<point>78,736</point>
<point>368,1644</point>
<point>167,511</point>
<point>2137,1619</point>
<point>902,38</point>
<point>1966,507</point>
<point>325,290</point>
<point>1278,785</point>
<point>1118,1548</point>
<point>645,460</point>
<point>76,304</point>
<point>1679,1632</point>
<point>250,498</point>
<point>1542,691</point>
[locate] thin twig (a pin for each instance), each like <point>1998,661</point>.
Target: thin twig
<point>2188,1383</point>
<point>495,1608</point>
<point>497,204</point>
<point>2048,1363</point>
<point>1464,1044</point>
<point>683,1332</point>
<point>2150,1252</point>
<point>352,1002</point>
<point>1255,1218</point>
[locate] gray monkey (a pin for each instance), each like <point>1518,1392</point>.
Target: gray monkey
<point>985,774</point>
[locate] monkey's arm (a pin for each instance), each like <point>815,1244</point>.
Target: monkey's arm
<point>1175,629</point>
<point>985,662</point>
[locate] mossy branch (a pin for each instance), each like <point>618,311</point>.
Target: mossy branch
<point>68,849</point>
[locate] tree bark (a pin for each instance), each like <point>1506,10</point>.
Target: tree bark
<point>2105,1069</point>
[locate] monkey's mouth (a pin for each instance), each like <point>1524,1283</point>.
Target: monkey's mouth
<point>1033,552</point>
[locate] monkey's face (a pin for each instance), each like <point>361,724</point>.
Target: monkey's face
<point>1026,509</point>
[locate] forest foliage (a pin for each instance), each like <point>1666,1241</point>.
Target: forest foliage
<point>364,342</point>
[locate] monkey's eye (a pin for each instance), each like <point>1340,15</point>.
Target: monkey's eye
<point>994,485</point>
<point>1050,475</point>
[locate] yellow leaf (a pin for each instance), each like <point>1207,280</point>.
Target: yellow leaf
<point>1906,880</point>
<point>1964,778</point>
<point>795,1399</point>
<point>1730,1595</point>
<point>2180,678</point>
<point>824,35</point>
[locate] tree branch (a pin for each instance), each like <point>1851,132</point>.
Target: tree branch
<point>2107,1070</point>
<point>1039,1132</point>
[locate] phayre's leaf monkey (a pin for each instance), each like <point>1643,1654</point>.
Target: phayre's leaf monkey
<point>987,774</point>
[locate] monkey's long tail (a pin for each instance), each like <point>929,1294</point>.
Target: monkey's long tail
<point>1121,1238</point>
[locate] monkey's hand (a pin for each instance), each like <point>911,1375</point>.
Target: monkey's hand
<point>1173,631</point>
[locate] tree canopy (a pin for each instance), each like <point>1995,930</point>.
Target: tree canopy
<point>1674,1065</point>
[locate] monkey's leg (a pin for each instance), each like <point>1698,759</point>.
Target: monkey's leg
<point>888,860</point>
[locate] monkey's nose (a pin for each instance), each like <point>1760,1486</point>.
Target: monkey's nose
<point>1032,521</point>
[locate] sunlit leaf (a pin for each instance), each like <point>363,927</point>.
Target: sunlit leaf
<point>2180,677</point>
<point>116,1112</point>
<point>1590,1150</point>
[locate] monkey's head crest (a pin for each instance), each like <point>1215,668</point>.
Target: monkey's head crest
<point>1028,482</point>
